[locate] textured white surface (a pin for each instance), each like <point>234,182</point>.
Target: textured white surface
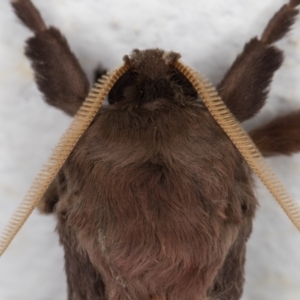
<point>209,35</point>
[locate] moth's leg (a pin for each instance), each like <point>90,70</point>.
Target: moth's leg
<point>84,281</point>
<point>229,282</point>
<point>245,86</point>
<point>49,199</point>
<point>99,72</point>
<point>280,136</point>
<point>58,73</point>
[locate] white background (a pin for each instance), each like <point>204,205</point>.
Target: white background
<point>209,35</point>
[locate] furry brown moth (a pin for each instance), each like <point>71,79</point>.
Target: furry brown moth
<point>146,206</point>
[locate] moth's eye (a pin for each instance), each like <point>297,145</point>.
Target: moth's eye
<point>116,94</point>
<point>187,87</point>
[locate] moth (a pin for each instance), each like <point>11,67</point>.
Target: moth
<point>155,202</point>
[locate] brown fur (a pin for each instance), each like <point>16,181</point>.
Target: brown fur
<point>252,73</point>
<point>156,185</point>
<point>155,202</point>
<point>57,71</point>
<point>280,136</point>
<point>245,86</point>
<point>84,280</point>
<point>50,198</point>
<point>281,23</point>
<point>29,15</point>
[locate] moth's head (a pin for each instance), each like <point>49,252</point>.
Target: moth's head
<point>152,77</point>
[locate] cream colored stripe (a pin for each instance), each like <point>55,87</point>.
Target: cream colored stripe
<point>64,147</point>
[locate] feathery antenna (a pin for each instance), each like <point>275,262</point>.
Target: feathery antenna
<point>241,140</point>
<point>81,121</point>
